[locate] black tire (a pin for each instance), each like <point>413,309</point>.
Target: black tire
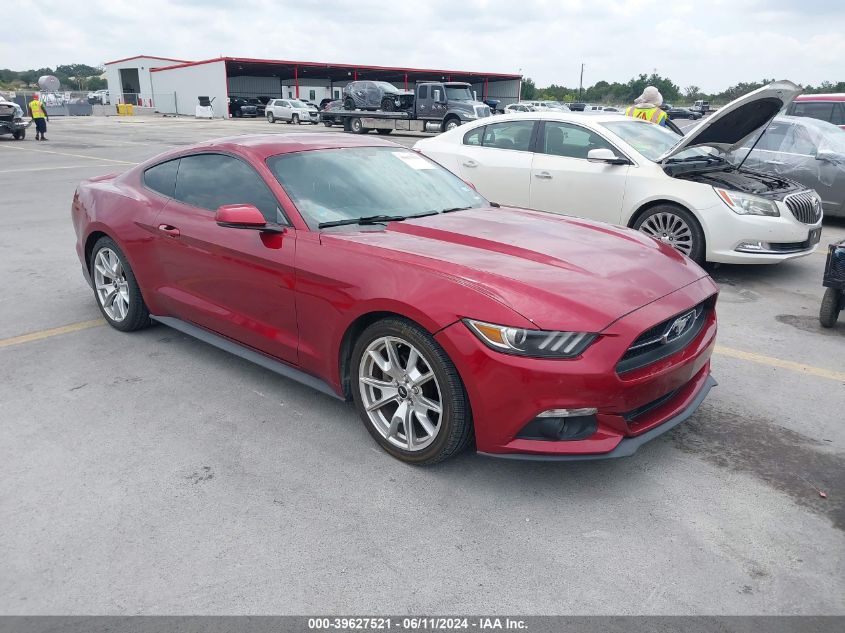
<point>348,104</point>
<point>137,317</point>
<point>356,126</point>
<point>388,105</point>
<point>456,429</point>
<point>19,135</point>
<point>829,310</point>
<point>295,119</point>
<point>450,123</point>
<point>238,113</point>
<point>270,118</point>
<point>384,131</point>
<point>697,248</point>
<point>327,123</point>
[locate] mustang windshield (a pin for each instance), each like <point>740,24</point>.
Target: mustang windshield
<point>330,185</point>
<point>652,141</point>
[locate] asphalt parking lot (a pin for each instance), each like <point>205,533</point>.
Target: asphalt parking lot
<point>150,473</point>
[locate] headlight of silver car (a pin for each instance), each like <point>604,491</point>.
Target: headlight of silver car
<point>745,204</point>
<point>535,343</point>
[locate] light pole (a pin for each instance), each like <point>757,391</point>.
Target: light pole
<point>581,82</point>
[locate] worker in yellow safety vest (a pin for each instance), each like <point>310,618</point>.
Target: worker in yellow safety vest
<point>647,107</point>
<point>39,116</point>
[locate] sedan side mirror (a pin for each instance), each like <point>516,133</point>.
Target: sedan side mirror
<point>241,216</point>
<point>604,155</point>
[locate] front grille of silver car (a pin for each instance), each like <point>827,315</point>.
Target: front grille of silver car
<point>805,206</point>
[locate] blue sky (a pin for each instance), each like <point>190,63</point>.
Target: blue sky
<point>709,43</point>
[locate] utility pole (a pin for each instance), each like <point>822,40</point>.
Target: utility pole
<point>581,82</point>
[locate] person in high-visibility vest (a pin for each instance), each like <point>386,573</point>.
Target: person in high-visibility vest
<point>647,107</point>
<point>39,115</point>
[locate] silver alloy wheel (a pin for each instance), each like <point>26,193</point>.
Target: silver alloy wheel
<point>670,229</point>
<point>400,393</point>
<point>451,124</point>
<point>111,285</point>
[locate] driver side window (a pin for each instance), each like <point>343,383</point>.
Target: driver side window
<point>209,181</point>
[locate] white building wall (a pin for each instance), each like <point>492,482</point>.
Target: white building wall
<point>143,65</point>
<point>189,82</point>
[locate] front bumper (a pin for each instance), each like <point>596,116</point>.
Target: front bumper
<point>629,445</point>
<point>507,392</point>
<point>782,238</point>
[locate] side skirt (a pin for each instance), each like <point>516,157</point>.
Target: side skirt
<point>228,345</point>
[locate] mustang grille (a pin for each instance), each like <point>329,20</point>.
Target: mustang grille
<point>805,206</point>
<point>666,338</point>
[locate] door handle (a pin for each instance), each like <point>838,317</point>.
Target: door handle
<point>543,175</point>
<point>172,231</point>
<point>470,163</point>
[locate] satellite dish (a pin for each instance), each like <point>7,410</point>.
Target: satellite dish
<point>49,83</point>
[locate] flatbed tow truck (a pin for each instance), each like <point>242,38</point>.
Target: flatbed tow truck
<point>446,103</point>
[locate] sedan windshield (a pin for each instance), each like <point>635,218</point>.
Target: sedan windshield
<point>331,185</point>
<point>652,141</point>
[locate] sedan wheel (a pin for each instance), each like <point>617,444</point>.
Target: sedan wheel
<point>118,295</point>
<point>295,119</point>
<point>270,118</point>
<point>408,393</point>
<point>676,227</point>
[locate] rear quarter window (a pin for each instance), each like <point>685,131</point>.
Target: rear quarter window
<point>162,178</point>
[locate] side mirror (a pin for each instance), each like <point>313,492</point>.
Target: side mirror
<point>240,216</point>
<point>606,156</point>
<point>830,157</point>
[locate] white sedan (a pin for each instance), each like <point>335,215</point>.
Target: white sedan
<point>680,190</point>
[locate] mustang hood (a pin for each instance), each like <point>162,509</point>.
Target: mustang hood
<point>558,272</point>
<point>729,126</point>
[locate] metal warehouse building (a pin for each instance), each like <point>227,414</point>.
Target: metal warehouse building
<point>173,85</point>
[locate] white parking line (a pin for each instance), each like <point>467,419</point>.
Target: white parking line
<point>47,151</point>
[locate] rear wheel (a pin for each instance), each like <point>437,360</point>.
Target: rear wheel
<point>357,126</point>
<point>327,123</point>
<point>831,304</point>
<point>387,104</point>
<point>348,104</point>
<point>384,130</point>
<point>408,393</point>
<point>676,227</point>
<point>238,113</point>
<point>270,118</point>
<point>116,289</point>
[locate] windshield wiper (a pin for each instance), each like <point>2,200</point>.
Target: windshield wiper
<point>454,209</point>
<point>373,219</point>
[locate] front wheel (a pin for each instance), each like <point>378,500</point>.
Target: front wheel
<point>831,305</point>
<point>295,119</point>
<point>270,118</point>
<point>676,227</point>
<point>451,124</point>
<point>19,135</point>
<point>408,393</point>
<point>327,123</point>
<point>116,289</point>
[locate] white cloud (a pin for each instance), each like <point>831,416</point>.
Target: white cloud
<point>711,44</point>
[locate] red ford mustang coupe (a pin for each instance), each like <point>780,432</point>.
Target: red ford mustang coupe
<point>368,272</point>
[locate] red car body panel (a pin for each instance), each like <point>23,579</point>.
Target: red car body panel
<point>295,294</point>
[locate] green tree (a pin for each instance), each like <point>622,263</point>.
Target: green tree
<point>529,89</point>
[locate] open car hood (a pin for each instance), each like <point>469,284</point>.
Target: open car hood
<point>729,126</point>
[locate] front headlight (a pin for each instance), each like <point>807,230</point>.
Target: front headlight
<point>537,343</point>
<point>745,204</point>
